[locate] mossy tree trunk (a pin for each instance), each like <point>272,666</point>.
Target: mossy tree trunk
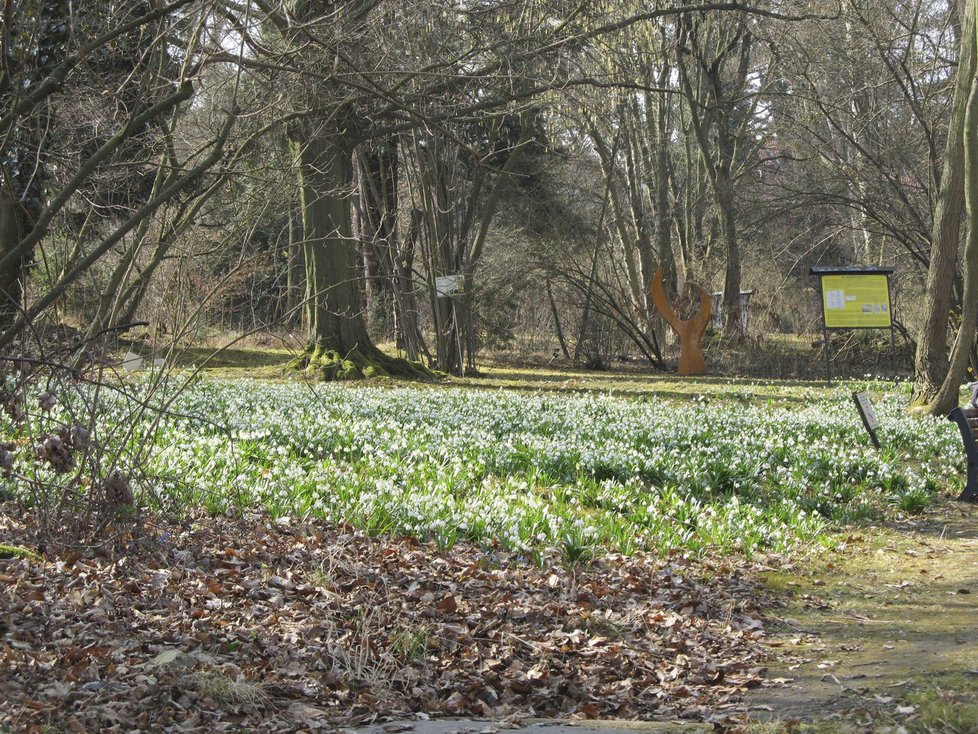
<point>338,345</point>
<point>323,144</point>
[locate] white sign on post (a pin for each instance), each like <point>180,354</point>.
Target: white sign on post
<point>447,286</point>
<point>866,412</point>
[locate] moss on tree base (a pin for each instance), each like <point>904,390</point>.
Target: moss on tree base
<point>329,364</point>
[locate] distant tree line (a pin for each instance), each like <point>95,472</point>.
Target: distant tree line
<point>441,177</point>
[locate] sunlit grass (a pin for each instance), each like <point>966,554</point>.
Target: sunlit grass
<point>549,473</point>
<point>540,470</point>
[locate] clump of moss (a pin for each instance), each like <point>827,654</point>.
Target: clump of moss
<point>328,364</point>
<point>14,551</point>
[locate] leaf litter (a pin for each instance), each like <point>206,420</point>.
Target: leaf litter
<point>219,624</point>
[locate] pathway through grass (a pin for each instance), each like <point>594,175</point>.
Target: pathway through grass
<point>882,633</point>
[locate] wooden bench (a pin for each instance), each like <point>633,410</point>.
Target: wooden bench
<point>967,420</point>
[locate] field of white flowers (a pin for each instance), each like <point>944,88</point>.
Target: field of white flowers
<point>544,473</point>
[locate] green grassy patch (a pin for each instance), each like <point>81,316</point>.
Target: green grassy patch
<point>547,472</point>
<point>13,551</point>
<point>879,634</point>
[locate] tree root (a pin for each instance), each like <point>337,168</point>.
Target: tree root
<point>329,364</point>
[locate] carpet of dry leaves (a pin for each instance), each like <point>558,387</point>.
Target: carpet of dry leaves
<point>217,624</point>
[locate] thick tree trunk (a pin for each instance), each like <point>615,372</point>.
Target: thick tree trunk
<point>947,396</point>
<point>948,393</point>
<point>14,224</point>
<point>333,307</point>
<point>931,359</point>
<point>338,345</point>
<point>337,342</point>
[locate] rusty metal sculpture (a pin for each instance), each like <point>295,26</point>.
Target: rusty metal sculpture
<point>690,332</point>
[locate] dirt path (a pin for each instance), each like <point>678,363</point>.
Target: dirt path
<point>894,611</point>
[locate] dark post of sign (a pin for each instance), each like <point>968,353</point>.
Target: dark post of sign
<point>825,337</point>
<point>853,298</point>
<point>866,412</point>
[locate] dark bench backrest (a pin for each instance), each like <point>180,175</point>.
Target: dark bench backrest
<point>967,421</point>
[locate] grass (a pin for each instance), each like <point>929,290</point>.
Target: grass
<point>222,689</point>
<point>268,363</point>
<point>712,468</point>
<point>410,643</point>
<point>948,706</point>
<point>13,551</point>
<point>891,607</point>
<point>951,708</point>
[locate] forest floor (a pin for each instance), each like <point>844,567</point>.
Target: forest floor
<point>218,623</point>
<point>879,635</point>
<point>224,623</point>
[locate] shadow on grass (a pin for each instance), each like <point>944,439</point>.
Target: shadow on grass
<point>232,358</point>
<point>641,384</point>
<point>947,520</point>
<point>238,362</point>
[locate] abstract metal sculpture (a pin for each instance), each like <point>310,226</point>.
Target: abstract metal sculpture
<point>690,332</point>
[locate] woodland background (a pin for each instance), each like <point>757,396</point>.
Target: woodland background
<point>306,170</point>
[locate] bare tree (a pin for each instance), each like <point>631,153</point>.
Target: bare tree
<point>46,82</point>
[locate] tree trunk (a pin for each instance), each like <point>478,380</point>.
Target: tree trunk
<point>674,267</point>
<point>406,311</point>
<point>626,227</point>
<point>733,325</point>
<point>447,325</point>
<point>931,360</point>
<point>295,269</point>
<point>556,317</point>
<point>336,334</point>
<point>378,173</point>
<point>14,224</point>
<point>947,396</point>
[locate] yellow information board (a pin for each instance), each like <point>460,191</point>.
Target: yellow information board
<point>856,301</point>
